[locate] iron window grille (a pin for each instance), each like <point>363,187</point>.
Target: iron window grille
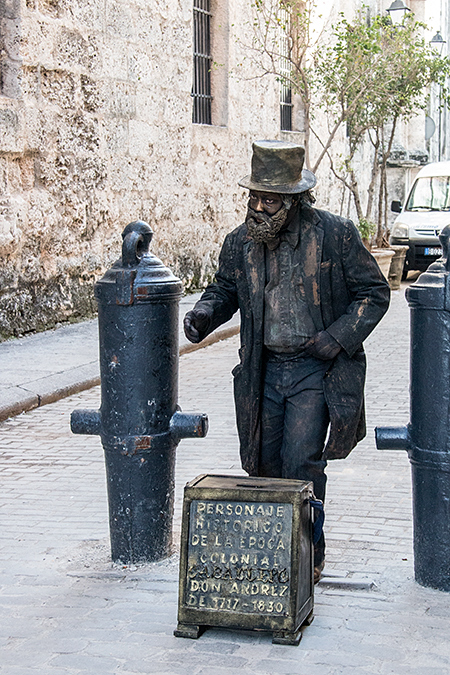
<point>201,88</point>
<point>286,104</point>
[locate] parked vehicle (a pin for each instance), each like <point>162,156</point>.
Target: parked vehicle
<point>425,214</point>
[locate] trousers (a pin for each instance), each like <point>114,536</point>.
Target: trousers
<point>294,425</point>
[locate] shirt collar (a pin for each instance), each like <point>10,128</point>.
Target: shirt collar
<point>292,233</point>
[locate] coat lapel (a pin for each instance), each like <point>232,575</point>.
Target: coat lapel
<point>311,241</point>
<point>255,271</point>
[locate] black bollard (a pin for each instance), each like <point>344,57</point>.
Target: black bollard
<point>427,437</point>
<point>139,421</point>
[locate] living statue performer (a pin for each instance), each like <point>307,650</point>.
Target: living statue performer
<point>309,293</point>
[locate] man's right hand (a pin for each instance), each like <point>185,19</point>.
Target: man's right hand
<point>195,325</point>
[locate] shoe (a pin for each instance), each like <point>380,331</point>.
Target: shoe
<point>318,571</point>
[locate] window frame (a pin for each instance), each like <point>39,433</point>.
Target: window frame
<point>202,59</point>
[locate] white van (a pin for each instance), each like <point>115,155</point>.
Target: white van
<point>425,214</point>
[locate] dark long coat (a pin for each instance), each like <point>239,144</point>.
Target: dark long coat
<point>346,294</point>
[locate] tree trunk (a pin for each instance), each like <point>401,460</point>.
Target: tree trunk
<point>307,134</point>
<point>385,206</point>
<point>373,178</point>
<point>382,200</point>
<point>355,193</point>
<point>379,238</point>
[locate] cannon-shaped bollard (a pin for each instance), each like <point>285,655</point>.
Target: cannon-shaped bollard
<point>427,437</point>
<point>139,421</point>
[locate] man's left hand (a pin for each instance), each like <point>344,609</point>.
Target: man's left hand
<point>323,346</point>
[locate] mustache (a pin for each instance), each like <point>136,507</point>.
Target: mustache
<point>259,216</point>
<point>261,227</point>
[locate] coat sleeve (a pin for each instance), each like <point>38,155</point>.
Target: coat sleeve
<point>220,299</point>
<point>368,291</point>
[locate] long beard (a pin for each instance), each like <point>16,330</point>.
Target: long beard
<point>263,228</point>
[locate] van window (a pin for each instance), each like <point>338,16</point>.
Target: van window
<point>430,194</point>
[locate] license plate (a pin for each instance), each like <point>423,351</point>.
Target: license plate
<point>436,250</point>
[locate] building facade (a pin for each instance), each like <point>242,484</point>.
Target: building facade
<point>122,110</point>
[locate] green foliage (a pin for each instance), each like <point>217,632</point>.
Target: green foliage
<point>373,73</point>
<point>366,229</point>
<point>365,74</point>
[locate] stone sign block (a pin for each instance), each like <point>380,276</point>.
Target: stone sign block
<point>246,556</point>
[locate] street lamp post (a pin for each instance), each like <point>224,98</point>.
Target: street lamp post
<point>438,42</point>
<point>397,11</point>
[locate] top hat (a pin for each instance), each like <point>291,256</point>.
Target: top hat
<point>277,166</point>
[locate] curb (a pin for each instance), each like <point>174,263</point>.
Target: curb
<point>23,400</point>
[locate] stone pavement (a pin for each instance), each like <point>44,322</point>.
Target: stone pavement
<point>65,609</point>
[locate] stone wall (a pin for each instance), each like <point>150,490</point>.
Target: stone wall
<point>96,130</point>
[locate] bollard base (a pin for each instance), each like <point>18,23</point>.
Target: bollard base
<point>140,481</point>
<point>431,499</point>
<point>428,581</point>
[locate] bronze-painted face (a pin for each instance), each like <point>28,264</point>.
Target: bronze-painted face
<point>266,214</point>
<point>268,202</point>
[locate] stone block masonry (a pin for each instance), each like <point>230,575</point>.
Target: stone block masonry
<point>96,131</point>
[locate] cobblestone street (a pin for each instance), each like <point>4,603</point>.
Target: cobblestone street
<point>65,609</point>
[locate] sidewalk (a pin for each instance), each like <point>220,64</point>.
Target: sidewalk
<point>66,610</point>
<point>42,368</point>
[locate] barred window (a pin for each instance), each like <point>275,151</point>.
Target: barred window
<point>201,88</point>
<point>286,104</point>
